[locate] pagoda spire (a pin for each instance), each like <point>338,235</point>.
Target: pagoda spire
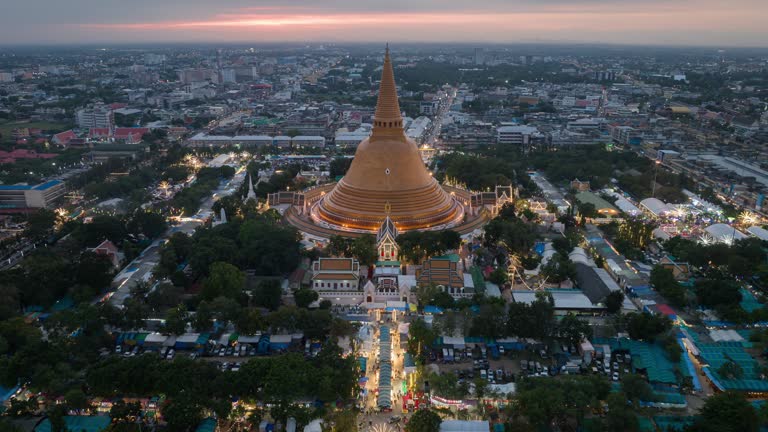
<point>387,119</point>
<point>251,192</point>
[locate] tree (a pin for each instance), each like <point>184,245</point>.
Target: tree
<point>224,280</point>
<point>182,245</point>
<point>663,280</point>
<point>76,400</point>
<point>268,247</point>
<point>45,278</point>
<point>182,414</point>
<point>203,318</point>
<point>176,320</point>
<point>338,246</point>
<point>40,223</point>
<point>363,249</point>
<point>225,309</point>
<point>613,301</point>
<point>730,370</point>
<point>499,276</point>
<point>268,294</point>
<point>620,418</point>
<point>420,338</point>
<point>249,322</point>
<point>304,297</point>
<point>56,417</point>
<point>672,348</point>
<point>727,412</point>
<point>148,223</point>
<point>164,296</point>
<point>425,294</point>
<point>123,412</point>
<point>715,293</point>
<point>424,420</point>
<point>574,329</point>
<point>94,270</point>
<point>443,300</point>
<point>559,268</point>
<point>587,210</point>
<point>339,166</point>
<point>9,301</point>
<point>636,388</point>
<point>101,228</point>
<point>490,322</point>
<point>551,404</point>
<point>645,326</point>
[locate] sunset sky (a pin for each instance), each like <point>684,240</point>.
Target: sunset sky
<point>668,22</point>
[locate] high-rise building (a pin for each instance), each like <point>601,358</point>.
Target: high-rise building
<point>43,195</point>
<point>479,56</point>
<point>515,135</point>
<point>96,116</point>
<point>197,75</point>
<point>228,76</point>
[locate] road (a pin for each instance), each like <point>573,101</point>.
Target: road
<point>140,269</point>
<point>11,260</point>
<point>437,124</point>
<point>371,417</point>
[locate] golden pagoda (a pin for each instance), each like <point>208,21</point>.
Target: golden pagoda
<point>388,172</point>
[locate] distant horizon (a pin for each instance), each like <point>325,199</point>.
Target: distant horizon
<point>684,23</point>
<point>379,45</point>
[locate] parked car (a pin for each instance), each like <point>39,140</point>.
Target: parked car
<point>615,376</point>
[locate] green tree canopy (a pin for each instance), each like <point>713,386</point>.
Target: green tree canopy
<point>424,420</point>
<point>224,280</point>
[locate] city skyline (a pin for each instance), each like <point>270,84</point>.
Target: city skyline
<point>657,22</point>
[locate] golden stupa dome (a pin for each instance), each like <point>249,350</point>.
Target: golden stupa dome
<point>388,171</point>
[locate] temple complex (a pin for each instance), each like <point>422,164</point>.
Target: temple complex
<point>387,189</point>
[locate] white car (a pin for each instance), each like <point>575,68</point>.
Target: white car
<point>615,376</point>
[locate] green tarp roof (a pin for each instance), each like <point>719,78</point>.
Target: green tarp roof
<point>78,424</point>
<point>717,354</point>
<point>207,425</point>
<point>650,357</point>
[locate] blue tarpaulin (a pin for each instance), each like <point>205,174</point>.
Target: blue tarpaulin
<point>432,309</point>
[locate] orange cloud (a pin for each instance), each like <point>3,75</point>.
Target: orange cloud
<point>614,23</point>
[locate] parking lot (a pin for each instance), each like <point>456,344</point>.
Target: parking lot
<point>510,366</point>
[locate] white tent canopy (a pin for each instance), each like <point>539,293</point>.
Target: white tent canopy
<point>721,232</point>
<point>655,206</point>
<point>464,426</point>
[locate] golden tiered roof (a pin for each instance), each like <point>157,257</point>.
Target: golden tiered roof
<point>388,168</point>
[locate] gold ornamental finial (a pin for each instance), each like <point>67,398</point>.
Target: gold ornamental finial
<point>387,208</point>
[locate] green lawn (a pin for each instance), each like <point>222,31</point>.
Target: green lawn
<point>7,128</point>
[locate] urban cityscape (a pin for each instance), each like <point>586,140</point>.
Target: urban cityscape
<point>258,217</point>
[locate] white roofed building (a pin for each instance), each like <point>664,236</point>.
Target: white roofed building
<point>656,207</point>
<point>724,233</point>
<point>758,232</point>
